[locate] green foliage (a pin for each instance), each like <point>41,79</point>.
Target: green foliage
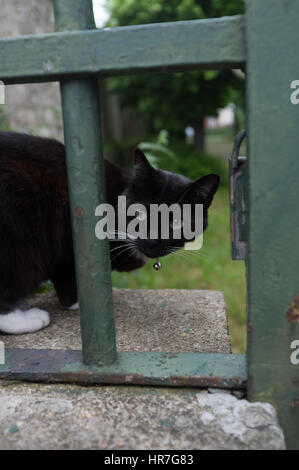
<point>3,124</point>
<point>46,287</point>
<point>174,101</point>
<point>126,12</point>
<point>156,150</point>
<point>180,157</point>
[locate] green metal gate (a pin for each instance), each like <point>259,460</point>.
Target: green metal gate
<point>264,41</point>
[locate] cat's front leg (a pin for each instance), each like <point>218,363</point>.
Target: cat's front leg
<point>75,306</point>
<point>64,280</point>
<point>17,321</point>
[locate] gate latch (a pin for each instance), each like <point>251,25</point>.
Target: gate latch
<point>237,169</point>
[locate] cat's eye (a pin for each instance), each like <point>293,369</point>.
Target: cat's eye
<point>140,215</point>
<point>176,224</point>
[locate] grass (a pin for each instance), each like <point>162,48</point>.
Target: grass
<point>213,269</point>
<point>220,143</point>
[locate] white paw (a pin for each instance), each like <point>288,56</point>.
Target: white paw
<point>18,322</point>
<point>74,306</point>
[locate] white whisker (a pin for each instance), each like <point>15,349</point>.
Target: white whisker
<point>122,246</point>
<point>121,252</point>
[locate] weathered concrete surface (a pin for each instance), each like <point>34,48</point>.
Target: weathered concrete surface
<point>146,320</point>
<point>230,423</point>
<point>72,417</point>
<point>39,416</point>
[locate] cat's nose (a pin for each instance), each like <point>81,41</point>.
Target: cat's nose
<point>152,243</point>
<point>151,248</point>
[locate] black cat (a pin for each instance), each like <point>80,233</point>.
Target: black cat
<point>35,225</point>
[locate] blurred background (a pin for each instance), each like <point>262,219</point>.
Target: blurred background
<point>184,122</point>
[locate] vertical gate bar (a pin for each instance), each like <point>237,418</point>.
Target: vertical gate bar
<point>273,200</point>
<point>86,176</point>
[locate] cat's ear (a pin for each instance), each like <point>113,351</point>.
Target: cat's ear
<point>206,187</point>
<point>142,168</point>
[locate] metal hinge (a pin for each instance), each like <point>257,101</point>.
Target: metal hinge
<point>237,169</point>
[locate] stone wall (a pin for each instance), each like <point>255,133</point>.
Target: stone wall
<point>32,107</point>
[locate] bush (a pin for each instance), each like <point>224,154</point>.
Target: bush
<point>181,157</point>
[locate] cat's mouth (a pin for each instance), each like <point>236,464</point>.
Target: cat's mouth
<point>157,252</point>
<point>155,255</point>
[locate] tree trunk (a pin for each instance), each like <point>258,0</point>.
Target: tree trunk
<point>199,137</point>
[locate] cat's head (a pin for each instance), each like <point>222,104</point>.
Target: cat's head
<point>152,186</point>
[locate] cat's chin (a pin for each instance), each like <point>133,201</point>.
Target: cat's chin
<point>143,257</point>
<point>149,256</point>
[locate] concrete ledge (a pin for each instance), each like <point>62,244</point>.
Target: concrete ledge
<point>72,417</point>
<point>39,416</point>
<point>146,320</point>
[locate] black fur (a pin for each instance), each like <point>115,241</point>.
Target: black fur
<point>35,227</point>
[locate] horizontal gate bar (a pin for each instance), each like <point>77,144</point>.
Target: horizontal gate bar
<point>136,368</point>
<point>163,47</point>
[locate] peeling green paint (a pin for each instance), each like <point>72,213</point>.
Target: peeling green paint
<point>134,368</point>
<point>273,206</point>
<point>199,44</point>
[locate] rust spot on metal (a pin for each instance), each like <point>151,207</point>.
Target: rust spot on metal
<point>295,403</point>
<point>78,212</point>
<point>292,314</point>
<point>207,382</point>
<point>52,366</point>
<point>195,381</point>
